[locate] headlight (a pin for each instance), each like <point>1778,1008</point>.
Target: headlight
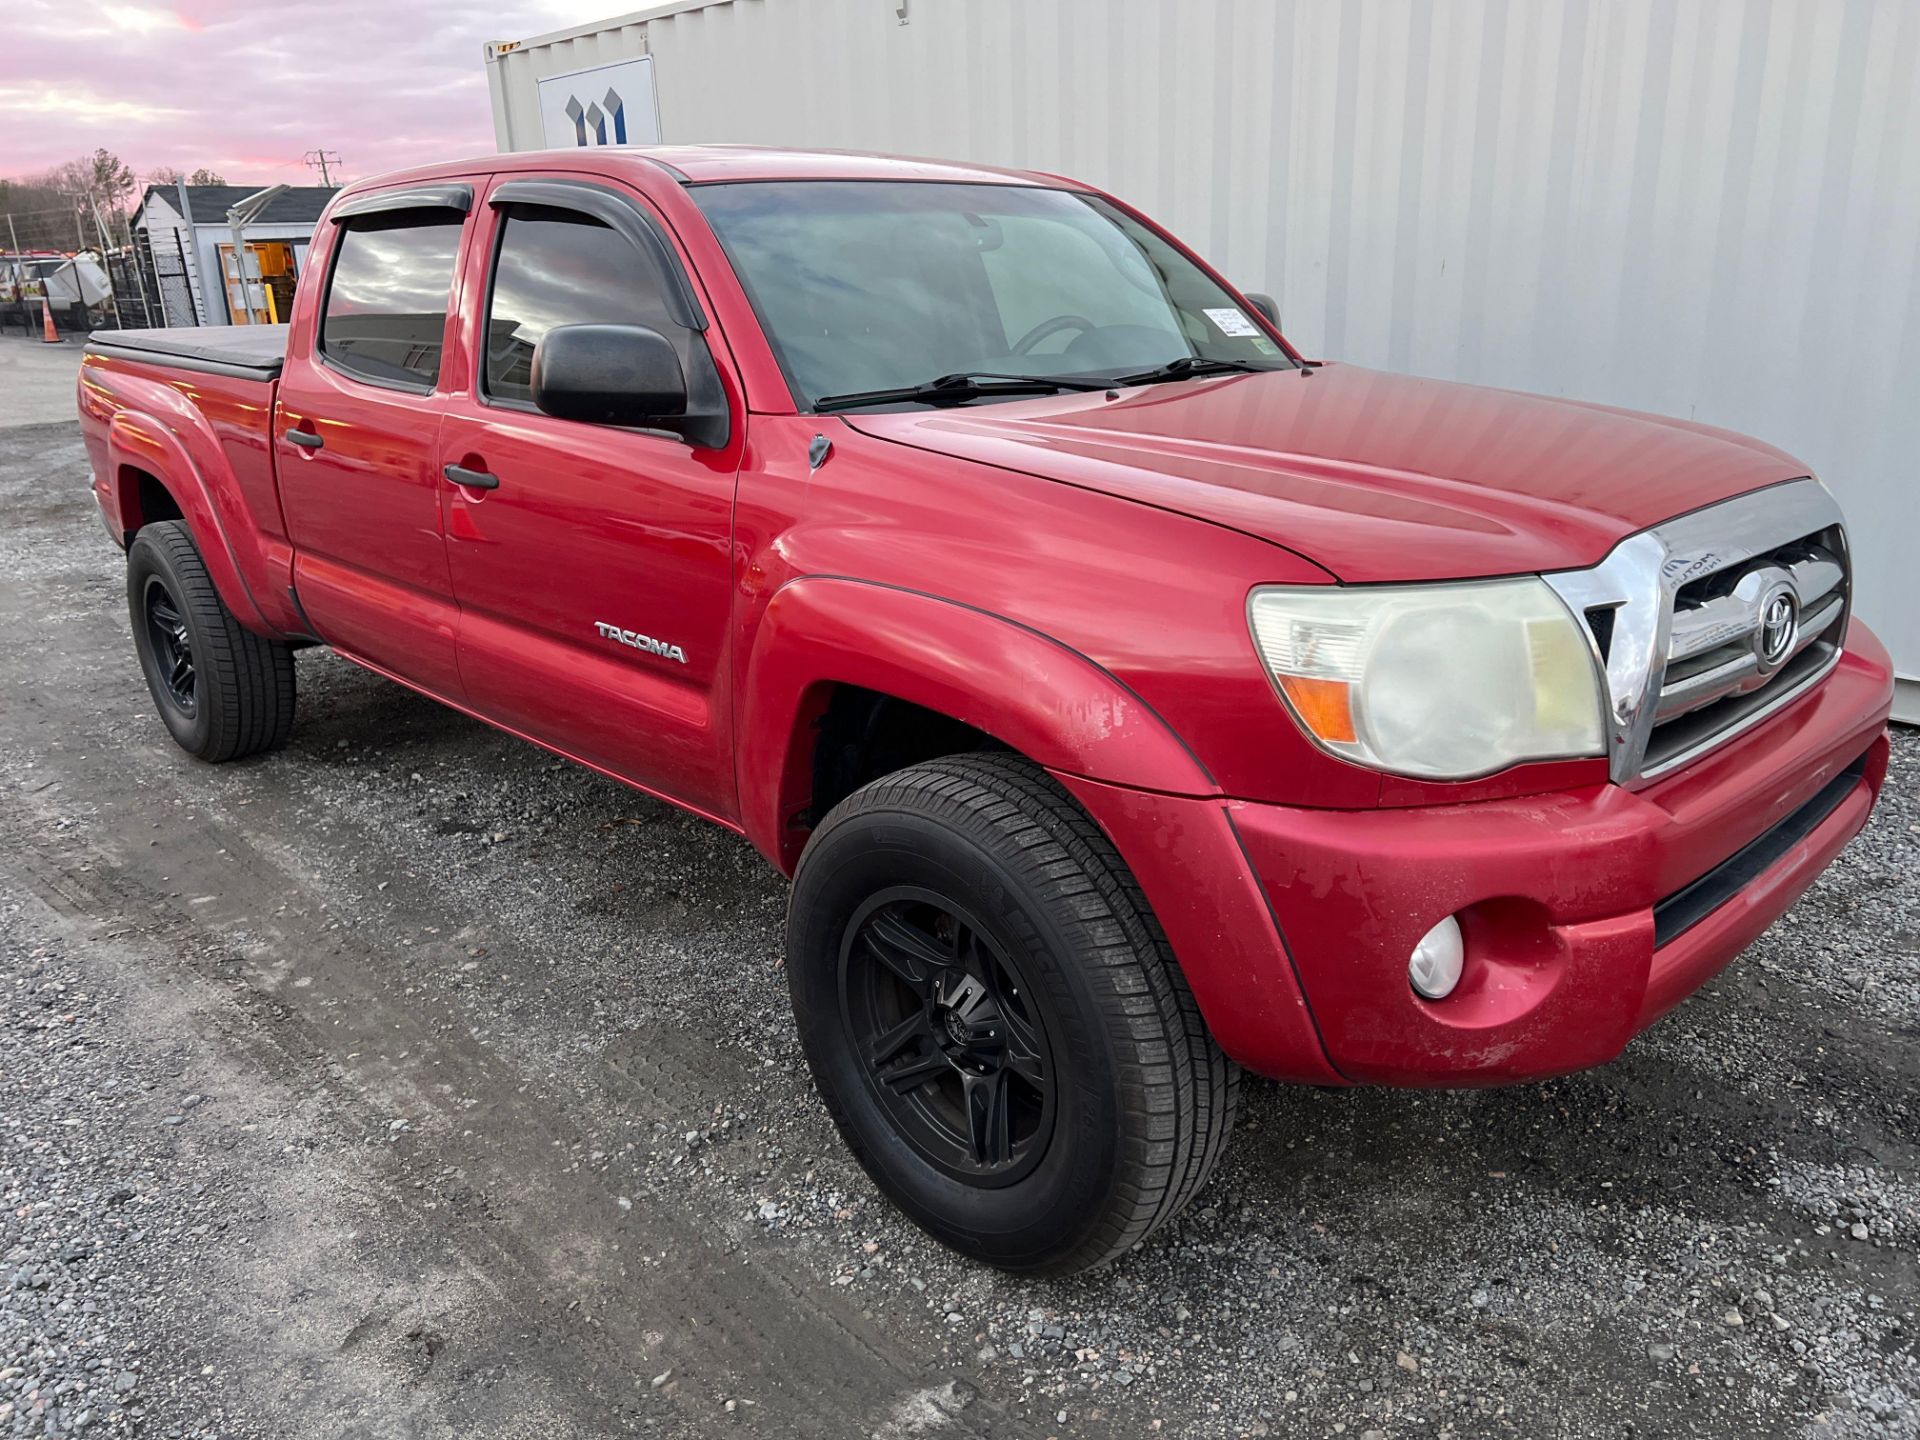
<point>1440,681</point>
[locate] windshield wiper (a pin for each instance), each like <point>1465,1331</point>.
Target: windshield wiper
<point>1185,368</point>
<point>962,385</point>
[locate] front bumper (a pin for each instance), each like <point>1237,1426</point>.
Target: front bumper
<point>1560,896</point>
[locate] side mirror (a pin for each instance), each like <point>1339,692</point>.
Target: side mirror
<point>609,375</point>
<point>1265,304</point>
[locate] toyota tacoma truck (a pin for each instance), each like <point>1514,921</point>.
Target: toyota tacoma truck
<point>1130,699</point>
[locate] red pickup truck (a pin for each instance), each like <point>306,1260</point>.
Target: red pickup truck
<point>1130,699</point>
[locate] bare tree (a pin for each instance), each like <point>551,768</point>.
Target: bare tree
<point>173,175</point>
<point>74,203</point>
<point>41,211</point>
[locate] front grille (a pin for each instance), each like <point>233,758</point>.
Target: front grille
<point>1709,623</point>
<point>1716,676</point>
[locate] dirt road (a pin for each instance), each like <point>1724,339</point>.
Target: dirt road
<point>412,1083</point>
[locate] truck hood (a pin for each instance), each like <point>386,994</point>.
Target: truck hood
<point>1371,476</point>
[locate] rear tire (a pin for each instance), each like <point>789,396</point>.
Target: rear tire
<point>996,1021</point>
<point>222,691</point>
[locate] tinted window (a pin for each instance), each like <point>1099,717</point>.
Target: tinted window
<point>387,303</point>
<point>555,267</point>
<point>871,285</point>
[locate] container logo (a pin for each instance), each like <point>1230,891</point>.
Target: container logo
<point>590,121</point>
<point>603,105</point>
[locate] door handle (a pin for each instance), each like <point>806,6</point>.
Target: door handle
<point>472,479</point>
<point>305,439</point>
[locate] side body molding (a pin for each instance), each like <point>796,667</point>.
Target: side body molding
<point>1035,694</point>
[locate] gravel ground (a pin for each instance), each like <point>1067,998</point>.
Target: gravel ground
<point>410,1082</point>
<point>37,379</point>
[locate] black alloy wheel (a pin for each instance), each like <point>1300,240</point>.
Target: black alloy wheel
<point>953,1044</point>
<point>172,646</point>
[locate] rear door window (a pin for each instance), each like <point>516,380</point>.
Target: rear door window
<point>386,310</point>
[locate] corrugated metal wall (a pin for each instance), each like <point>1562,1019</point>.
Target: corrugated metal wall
<point>1708,208</point>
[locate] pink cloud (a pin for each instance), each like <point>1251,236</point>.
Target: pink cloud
<point>246,89</point>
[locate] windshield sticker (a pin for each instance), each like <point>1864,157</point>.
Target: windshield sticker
<point>1265,346</point>
<point>1232,322</point>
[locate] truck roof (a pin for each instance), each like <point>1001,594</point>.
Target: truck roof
<point>709,164</point>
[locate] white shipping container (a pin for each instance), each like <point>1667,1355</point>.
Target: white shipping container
<point>1709,209</point>
<point>588,87</point>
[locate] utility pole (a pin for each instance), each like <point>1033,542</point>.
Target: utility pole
<point>320,160</point>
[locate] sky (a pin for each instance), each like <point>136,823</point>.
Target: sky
<point>246,87</point>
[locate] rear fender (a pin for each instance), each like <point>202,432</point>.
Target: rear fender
<point>157,430</point>
<point>1040,697</point>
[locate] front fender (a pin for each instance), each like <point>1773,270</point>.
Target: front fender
<point>1027,690</point>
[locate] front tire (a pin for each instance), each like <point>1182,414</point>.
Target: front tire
<point>995,1019</point>
<point>222,691</point>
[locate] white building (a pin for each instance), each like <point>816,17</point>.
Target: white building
<point>1709,209</point>
<point>205,290</point>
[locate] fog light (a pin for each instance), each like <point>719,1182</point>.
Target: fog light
<point>1435,967</point>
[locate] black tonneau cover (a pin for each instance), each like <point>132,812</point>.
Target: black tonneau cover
<point>250,352</point>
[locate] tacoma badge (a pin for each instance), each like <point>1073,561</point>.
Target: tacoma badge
<point>641,642</point>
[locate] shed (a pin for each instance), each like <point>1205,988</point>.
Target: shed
<point>188,261</point>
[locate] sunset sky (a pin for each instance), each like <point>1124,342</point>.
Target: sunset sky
<point>245,88</point>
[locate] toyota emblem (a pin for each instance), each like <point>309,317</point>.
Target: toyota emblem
<point>1779,621</point>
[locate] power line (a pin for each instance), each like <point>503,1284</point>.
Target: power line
<point>320,160</point>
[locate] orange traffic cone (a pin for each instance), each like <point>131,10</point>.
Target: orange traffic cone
<point>48,334</point>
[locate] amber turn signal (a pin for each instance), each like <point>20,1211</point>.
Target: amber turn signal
<point>1324,706</point>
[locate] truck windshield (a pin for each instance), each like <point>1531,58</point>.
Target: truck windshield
<point>870,287</point>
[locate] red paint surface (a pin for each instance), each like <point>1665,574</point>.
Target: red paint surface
<point>1067,574</point>
<point>1377,477</point>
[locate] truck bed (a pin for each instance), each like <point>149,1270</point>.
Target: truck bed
<point>252,352</point>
